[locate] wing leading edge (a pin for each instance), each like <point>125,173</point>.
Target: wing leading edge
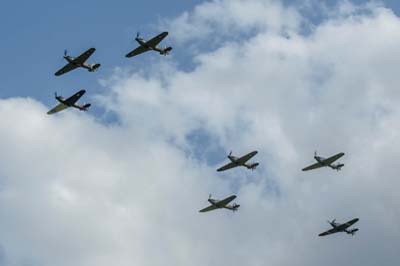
<point>313,166</point>
<point>227,166</point>
<point>246,157</point>
<point>156,40</point>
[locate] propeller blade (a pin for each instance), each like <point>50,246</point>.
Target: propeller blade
<point>65,52</point>
<point>55,94</point>
<point>209,196</point>
<point>230,153</point>
<point>137,34</point>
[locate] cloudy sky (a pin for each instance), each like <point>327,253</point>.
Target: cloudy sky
<point>122,184</point>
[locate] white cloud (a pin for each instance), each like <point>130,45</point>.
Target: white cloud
<point>78,192</point>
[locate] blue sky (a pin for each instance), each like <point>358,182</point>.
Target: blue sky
<point>34,35</point>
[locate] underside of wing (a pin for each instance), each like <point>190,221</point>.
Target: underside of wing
<point>329,232</point>
<point>226,201</point>
<point>137,51</point>
<point>156,40</point>
<point>67,68</point>
<point>209,208</point>
<point>227,166</point>
<point>350,223</point>
<point>333,158</point>
<point>313,166</point>
<point>84,56</point>
<point>247,157</point>
<point>74,98</point>
<point>57,109</point>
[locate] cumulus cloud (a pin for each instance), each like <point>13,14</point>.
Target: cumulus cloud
<point>76,191</point>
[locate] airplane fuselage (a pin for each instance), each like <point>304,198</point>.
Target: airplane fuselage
<point>321,160</point>
<point>219,206</point>
<point>234,160</point>
<point>343,227</point>
<point>143,43</point>
<point>71,60</point>
<point>80,107</point>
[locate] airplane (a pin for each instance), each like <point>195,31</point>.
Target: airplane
<point>150,45</point>
<point>235,161</point>
<point>69,102</point>
<point>221,204</point>
<point>323,162</point>
<point>78,62</point>
<point>337,227</point>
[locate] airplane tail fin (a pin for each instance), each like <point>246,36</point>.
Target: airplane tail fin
<point>94,67</point>
<point>338,166</point>
<point>252,166</point>
<point>235,207</point>
<point>353,231</point>
<point>166,50</point>
<point>85,107</point>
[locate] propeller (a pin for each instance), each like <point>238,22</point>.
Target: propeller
<point>315,153</point>
<point>137,35</point>
<point>230,153</point>
<point>55,94</point>
<point>65,52</point>
<point>209,196</point>
<point>331,222</point>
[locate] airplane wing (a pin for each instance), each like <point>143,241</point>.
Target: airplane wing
<point>84,56</point>
<point>156,40</point>
<point>349,223</point>
<point>209,208</point>
<point>329,232</point>
<point>313,166</point>
<point>333,158</point>
<point>57,109</point>
<point>227,166</point>
<point>226,200</point>
<point>247,157</point>
<point>74,98</point>
<point>137,51</point>
<point>67,68</point>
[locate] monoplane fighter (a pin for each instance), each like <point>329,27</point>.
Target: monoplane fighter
<point>78,62</point>
<point>239,161</point>
<point>337,227</point>
<point>150,45</point>
<point>70,102</point>
<point>326,162</point>
<point>221,204</point>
